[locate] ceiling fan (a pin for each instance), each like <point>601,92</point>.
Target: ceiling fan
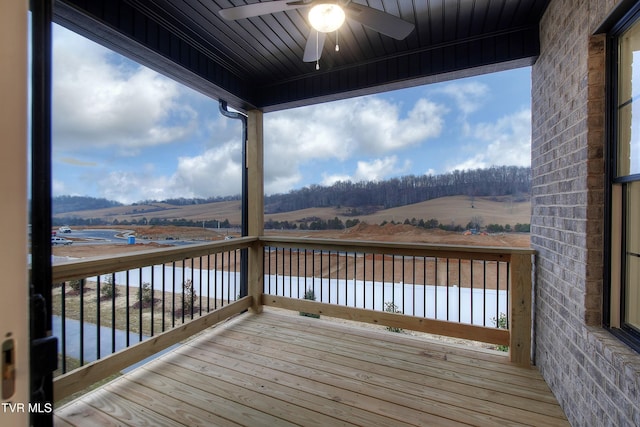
<point>325,16</point>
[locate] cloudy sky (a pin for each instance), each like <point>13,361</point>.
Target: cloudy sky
<point>126,133</point>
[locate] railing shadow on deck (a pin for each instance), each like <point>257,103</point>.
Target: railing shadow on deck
<point>150,300</point>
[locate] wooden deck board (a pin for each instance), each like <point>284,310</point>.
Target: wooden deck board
<point>416,382</point>
<point>379,349</point>
<point>329,387</point>
<point>463,354</point>
<point>160,397</point>
<point>440,367</point>
<point>276,369</point>
<point>195,389</point>
<point>81,413</point>
<point>292,404</point>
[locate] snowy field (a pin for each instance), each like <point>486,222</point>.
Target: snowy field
<point>465,305</point>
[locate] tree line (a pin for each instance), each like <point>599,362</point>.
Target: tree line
<point>361,197</point>
<point>312,224</point>
<point>337,224</point>
<point>62,204</point>
<point>178,222</point>
<point>406,190</point>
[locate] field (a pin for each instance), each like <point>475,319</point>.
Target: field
<point>175,312</point>
<point>385,233</point>
<point>447,210</point>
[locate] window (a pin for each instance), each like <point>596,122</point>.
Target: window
<point>631,300</point>
<point>624,283</point>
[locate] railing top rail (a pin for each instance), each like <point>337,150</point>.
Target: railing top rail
<point>416,249</point>
<point>94,266</point>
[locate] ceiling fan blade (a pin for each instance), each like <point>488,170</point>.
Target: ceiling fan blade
<point>380,21</point>
<point>258,9</point>
<point>313,48</point>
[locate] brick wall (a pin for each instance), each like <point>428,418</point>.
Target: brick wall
<point>594,376</point>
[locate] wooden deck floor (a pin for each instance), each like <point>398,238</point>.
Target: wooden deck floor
<point>277,369</point>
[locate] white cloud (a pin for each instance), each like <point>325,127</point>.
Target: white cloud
<point>505,142</point>
<point>478,161</point>
<point>216,172</point>
<point>76,162</point>
<point>108,111</point>
<point>336,132</point>
<point>282,184</point>
<point>469,96</point>
<point>100,100</point>
<point>341,130</point>
<point>58,188</point>
<point>330,179</point>
<point>375,170</point>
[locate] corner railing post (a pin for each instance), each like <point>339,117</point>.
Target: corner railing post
<point>520,310</point>
<point>255,214</point>
<point>256,275</point>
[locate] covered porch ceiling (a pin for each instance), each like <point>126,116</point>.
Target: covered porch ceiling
<point>257,62</point>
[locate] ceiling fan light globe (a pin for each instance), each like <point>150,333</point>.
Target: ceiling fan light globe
<point>326,17</point>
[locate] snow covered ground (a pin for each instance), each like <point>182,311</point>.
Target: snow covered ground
<point>465,305</point>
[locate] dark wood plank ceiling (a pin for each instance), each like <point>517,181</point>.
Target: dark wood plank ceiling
<point>257,62</point>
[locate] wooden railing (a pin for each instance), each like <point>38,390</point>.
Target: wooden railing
<point>473,293</point>
<point>128,307</point>
<point>403,286</point>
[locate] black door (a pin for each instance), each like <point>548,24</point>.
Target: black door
<point>43,356</point>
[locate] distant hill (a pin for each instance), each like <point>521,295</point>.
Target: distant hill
<point>494,181</point>
<point>491,182</point>
<point>62,204</point>
<point>146,212</point>
<point>458,210</point>
<point>497,195</point>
